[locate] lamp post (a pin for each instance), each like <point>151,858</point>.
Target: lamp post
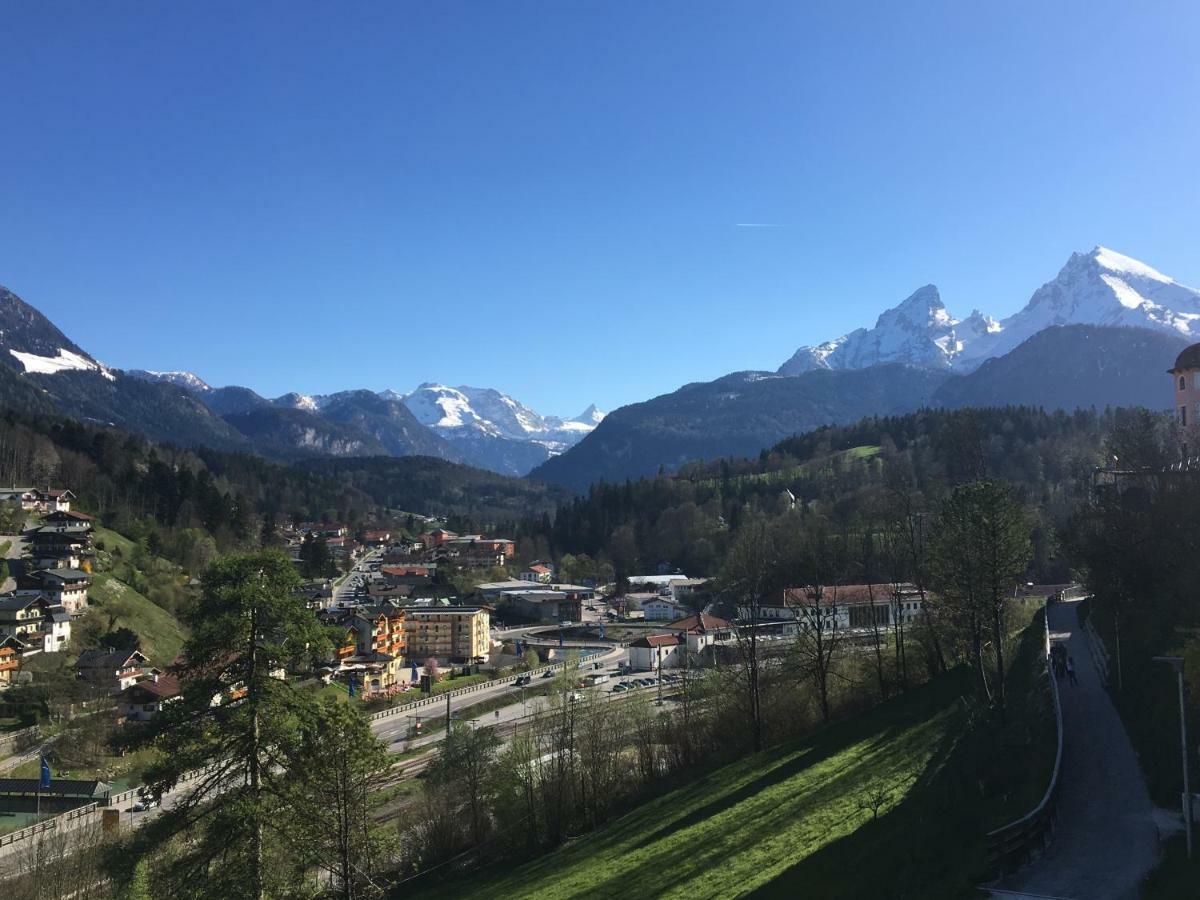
<point>1176,662</point>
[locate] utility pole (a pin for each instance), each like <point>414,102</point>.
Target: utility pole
<point>1176,663</point>
<point>447,712</point>
<point>660,677</point>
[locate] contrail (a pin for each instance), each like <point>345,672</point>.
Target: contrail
<point>758,225</point>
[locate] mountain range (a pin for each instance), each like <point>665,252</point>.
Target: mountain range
<point>42,370</point>
<point>479,426</point>
<point>1100,333</point>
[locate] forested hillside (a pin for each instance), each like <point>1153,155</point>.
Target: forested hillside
<point>844,474</point>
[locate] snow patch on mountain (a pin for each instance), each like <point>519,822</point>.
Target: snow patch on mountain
<point>1102,287</point>
<point>63,361</point>
<point>189,381</point>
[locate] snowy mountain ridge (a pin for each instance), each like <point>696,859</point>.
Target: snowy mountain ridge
<point>1101,287</point>
<point>471,412</point>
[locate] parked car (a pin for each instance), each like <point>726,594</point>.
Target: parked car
<point>619,689</point>
<point>144,803</point>
<point>549,673</point>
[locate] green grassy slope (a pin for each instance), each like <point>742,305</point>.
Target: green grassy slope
<point>775,822</point>
<point>120,606</point>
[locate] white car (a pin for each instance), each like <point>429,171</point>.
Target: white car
<point>144,804</point>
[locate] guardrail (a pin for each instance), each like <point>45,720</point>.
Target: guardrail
<point>1014,844</point>
<point>47,825</point>
<point>458,692</point>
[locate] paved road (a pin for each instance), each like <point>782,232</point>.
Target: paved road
<point>1107,841</point>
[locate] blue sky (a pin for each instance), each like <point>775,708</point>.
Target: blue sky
<point>545,197</point>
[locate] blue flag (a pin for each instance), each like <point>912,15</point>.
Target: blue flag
<point>44,782</point>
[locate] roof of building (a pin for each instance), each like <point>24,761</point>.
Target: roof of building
<point>163,687</point>
<point>1188,359</point>
<point>439,610</point>
<point>849,594</point>
<point>21,600</point>
<point>539,569</point>
<point>108,658</point>
<point>701,622</point>
<point>63,574</point>
<point>59,787</point>
<point>656,640</point>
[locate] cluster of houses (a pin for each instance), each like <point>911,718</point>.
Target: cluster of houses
<point>51,579</point>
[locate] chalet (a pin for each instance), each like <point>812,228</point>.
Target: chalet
<point>59,545</point>
<point>34,500</point>
<point>322,529</point>
<point>113,670</point>
<point>11,651</point>
<point>538,574</point>
<point>66,517</point>
<point>143,700</point>
<point>67,588</point>
<point>35,621</point>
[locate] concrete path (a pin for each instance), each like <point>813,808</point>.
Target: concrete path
<point>1106,841</point>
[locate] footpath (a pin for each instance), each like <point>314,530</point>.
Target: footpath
<point>1106,841</point>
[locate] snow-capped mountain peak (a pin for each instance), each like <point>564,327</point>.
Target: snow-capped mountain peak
<point>590,416</point>
<point>189,381</point>
<point>468,414</point>
<point>918,331</point>
<point>1101,287</point>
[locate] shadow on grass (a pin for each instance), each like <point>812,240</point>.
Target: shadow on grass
<point>667,860</point>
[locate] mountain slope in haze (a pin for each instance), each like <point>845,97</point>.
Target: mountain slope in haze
<point>1101,287</point>
<point>1073,366</point>
<point>737,415</point>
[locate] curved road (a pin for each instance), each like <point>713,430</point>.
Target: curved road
<point>1107,841</point>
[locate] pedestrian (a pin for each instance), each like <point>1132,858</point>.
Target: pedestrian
<point>497,714</point>
<point>1071,670</point>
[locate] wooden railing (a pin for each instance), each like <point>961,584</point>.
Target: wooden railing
<point>1012,845</point>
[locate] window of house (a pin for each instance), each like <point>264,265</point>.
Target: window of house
<point>1182,383</point>
<point>1183,416</point>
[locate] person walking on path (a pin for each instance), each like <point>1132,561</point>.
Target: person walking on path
<point>1071,670</point>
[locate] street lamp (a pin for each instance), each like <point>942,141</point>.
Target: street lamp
<point>1176,663</point>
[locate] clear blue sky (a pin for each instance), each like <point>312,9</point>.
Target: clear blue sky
<point>544,197</point>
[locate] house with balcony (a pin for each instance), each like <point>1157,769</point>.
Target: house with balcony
<point>143,700</point>
<point>10,661</point>
<point>67,588</point>
<point>40,625</point>
<point>113,670</point>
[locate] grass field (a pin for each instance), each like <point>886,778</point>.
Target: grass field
<point>787,821</point>
<point>114,601</point>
